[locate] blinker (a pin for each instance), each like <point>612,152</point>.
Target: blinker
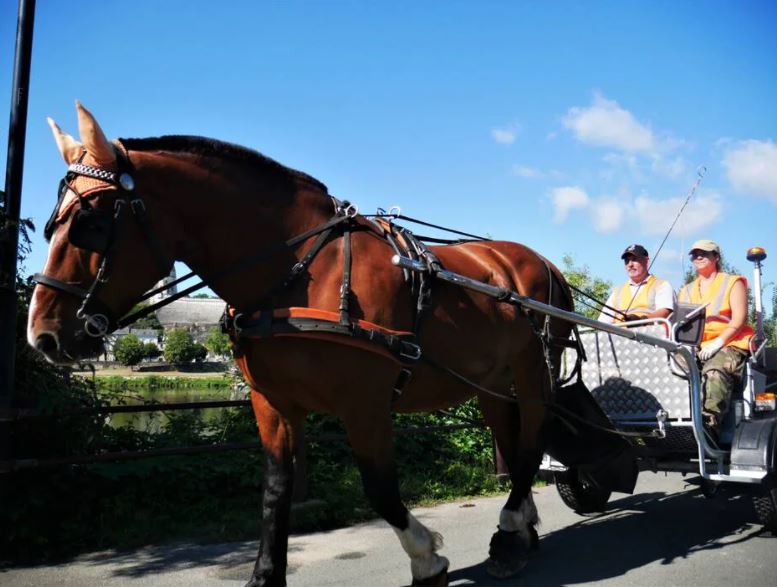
<point>91,229</point>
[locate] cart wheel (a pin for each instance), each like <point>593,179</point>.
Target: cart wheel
<point>580,495</point>
<point>709,488</point>
<point>765,504</point>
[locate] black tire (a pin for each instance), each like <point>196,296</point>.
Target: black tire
<point>580,495</point>
<point>765,505</point>
<point>709,488</point>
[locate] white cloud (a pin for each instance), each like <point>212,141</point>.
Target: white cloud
<point>606,124</point>
<point>751,167</point>
<point>643,216</point>
<point>506,135</point>
<point>671,168</point>
<point>656,216</point>
<point>527,172</point>
<point>607,214</point>
<point>566,199</point>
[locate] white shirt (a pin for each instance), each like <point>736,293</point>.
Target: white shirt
<point>665,298</point>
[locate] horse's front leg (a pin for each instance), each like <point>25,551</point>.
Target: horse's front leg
<point>372,441</point>
<point>277,434</point>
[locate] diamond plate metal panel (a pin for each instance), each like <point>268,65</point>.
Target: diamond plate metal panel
<point>631,380</point>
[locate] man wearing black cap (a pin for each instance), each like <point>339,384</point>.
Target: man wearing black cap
<point>642,296</point>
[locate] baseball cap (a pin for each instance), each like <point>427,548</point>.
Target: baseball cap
<point>636,250</point>
<point>705,245</point>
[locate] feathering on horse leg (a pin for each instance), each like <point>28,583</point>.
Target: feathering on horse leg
<point>277,435</point>
<point>372,441</point>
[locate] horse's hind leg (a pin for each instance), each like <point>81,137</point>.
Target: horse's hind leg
<point>371,439</point>
<point>517,430</point>
<point>277,434</point>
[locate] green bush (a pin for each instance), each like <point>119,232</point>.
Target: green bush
<point>128,350</point>
<point>151,351</point>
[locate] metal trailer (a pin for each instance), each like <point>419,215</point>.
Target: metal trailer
<point>646,380</point>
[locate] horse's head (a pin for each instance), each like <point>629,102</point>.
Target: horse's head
<point>103,252</point>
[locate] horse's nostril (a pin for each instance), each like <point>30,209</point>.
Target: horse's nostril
<point>46,344</point>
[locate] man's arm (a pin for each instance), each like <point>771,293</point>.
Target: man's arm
<point>605,314</point>
<point>665,301</point>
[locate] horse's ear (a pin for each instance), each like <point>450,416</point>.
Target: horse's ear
<point>93,138</point>
<point>69,148</point>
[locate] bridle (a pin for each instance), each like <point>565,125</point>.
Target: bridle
<point>98,231</point>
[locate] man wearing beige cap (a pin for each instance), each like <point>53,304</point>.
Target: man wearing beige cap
<point>642,296</point>
<point>726,338</point>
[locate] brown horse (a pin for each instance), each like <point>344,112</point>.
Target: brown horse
<point>130,208</point>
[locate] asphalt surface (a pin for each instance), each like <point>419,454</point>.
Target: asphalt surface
<point>666,534</point>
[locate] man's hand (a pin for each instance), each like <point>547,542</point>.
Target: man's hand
<point>632,317</point>
<point>710,349</point>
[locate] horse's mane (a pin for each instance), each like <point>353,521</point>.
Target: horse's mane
<point>215,148</point>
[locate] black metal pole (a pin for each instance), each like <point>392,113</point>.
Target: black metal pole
<point>9,231</point>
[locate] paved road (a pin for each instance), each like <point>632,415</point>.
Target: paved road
<point>666,534</point>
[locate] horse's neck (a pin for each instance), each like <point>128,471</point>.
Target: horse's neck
<point>225,222</point>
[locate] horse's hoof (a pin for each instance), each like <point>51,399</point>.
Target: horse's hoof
<point>534,538</point>
<point>262,582</point>
<point>508,553</point>
<point>504,569</point>
<point>438,580</point>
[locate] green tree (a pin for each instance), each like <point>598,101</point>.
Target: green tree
<point>199,353</point>
<point>581,278</point>
<point>128,350</point>
<point>179,346</point>
<point>151,351</point>
<point>217,342</point>
<point>150,321</point>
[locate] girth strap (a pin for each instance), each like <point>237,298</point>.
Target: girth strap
<point>403,347</point>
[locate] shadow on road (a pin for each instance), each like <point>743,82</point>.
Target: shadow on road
<point>635,531</point>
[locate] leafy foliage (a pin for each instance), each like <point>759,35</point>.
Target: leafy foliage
<point>128,350</point>
<point>151,351</point>
<point>593,287</point>
<point>179,346</point>
<point>199,352</point>
<point>150,321</point>
<point>217,342</point>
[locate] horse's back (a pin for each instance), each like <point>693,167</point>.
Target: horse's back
<point>503,264</point>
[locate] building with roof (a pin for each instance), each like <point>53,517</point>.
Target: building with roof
<point>197,315</point>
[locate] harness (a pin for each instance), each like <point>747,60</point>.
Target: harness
<point>95,230</point>
<point>262,321</point>
<point>98,231</point>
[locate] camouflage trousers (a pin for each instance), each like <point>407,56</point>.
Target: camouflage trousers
<point>719,375</point>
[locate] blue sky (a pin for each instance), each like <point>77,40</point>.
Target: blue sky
<point>572,127</point>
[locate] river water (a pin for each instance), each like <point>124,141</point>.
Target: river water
<point>155,422</point>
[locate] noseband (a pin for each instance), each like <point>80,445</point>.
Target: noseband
<point>97,231</point>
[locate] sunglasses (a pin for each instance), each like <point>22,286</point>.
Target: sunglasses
<point>697,253</point>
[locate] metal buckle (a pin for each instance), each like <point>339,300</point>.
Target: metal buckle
<point>138,205</point>
<point>95,325</point>
<point>414,348</point>
<point>350,211</point>
<point>235,327</point>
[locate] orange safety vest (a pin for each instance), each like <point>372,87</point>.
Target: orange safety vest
<point>643,303</point>
<point>718,295</point>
